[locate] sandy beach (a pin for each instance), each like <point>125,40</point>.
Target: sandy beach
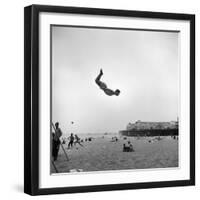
<point>101,154</point>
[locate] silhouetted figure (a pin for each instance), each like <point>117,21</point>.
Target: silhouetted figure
<point>71,140</point>
<point>63,142</point>
<point>128,148</point>
<point>114,139</point>
<point>125,148</point>
<point>103,86</point>
<point>56,141</point>
<point>77,140</point>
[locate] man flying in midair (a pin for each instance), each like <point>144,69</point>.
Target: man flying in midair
<point>103,86</point>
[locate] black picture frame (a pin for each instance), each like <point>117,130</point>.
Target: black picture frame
<point>31,98</point>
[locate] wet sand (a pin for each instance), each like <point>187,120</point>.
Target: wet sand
<point>101,154</point>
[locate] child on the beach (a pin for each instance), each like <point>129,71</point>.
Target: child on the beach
<point>104,87</point>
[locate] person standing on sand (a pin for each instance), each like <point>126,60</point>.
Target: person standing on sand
<point>104,87</point>
<point>71,140</point>
<point>56,141</point>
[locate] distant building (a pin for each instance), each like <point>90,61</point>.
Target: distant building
<point>140,128</point>
<point>140,125</point>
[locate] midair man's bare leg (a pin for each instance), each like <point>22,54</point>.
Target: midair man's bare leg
<point>97,80</point>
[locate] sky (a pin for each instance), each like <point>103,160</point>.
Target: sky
<point>142,64</point>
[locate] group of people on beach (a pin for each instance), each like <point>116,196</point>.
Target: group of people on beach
<point>128,147</point>
<point>73,140</point>
<point>56,135</point>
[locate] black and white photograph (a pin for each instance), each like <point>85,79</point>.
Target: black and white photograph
<point>109,99</point>
<point>115,97</point>
<point>99,100</point>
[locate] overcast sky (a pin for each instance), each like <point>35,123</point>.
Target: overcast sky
<point>142,64</point>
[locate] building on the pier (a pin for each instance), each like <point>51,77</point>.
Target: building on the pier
<point>151,128</point>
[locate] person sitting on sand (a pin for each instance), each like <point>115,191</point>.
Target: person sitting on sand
<point>114,139</point>
<point>125,148</point>
<point>104,87</point>
<point>130,146</point>
<point>71,140</point>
